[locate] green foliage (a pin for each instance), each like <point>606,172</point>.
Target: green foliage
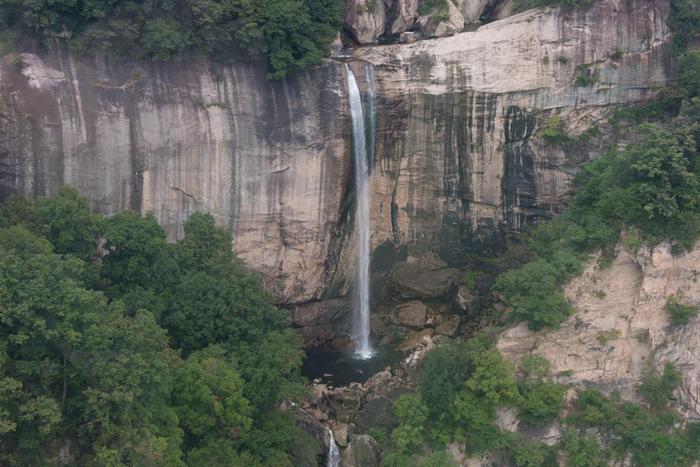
<point>657,389</point>
<point>554,131</point>
<point>680,313</point>
<point>434,7</point>
<point>93,358</point>
<point>651,438</point>
<point>541,402</point>
<point>412,415</point>
<point>438,459</point>
<point>533,292</point>
<point>607,336</point>
<point>585,77</point>
<point>290,34</point>
<point>582,450</point>
<point>522,5</point>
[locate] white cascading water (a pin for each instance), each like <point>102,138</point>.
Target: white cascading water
<point>333,451</point>
<point>361,315</point>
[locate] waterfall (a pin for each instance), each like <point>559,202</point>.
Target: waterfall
<point>333,451</point>
<point>361,312</point>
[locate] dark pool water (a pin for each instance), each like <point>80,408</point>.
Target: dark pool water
<point>340,368</point>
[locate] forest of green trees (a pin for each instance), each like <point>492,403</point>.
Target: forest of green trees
<point>289,34</point>
<point>119,348</point>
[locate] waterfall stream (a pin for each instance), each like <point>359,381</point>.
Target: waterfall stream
<point>333,451</point>
<point>361,313</point>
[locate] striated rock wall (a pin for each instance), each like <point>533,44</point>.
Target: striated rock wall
<point>458,159</point>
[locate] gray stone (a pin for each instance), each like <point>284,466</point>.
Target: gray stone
<point>412,314</point>
<point>425,278</point>
<point>363,451</point>
<point>448,325</point>
<point>365,19</point>
<point>465,300</point>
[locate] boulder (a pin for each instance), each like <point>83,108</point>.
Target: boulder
<point>405,13</point>
<point>412,314</point>
<point>416,340</point>
<point>409,37</point>
<point>378,412</point>
<point>422,278</point>
<point>448,325</point>
<point>473,9</point>
<point>442,23</point>
<point>363,451</point>
<point>365,20</point>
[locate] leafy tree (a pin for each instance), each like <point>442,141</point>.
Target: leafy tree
<point>657,389</point>
<point>290,34</point>
<point>412,415</point>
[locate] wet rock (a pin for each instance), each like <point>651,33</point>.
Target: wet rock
<point>448,325</point>
<point>412,314</point>
<point>365,20</point>
<point>321,312</point>
<point>422,278</point>
<point>340,433</point>
<point>363,451</point>
<point>342,343</point>
<point>376,413</point>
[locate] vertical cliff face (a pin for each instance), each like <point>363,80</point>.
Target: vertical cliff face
<point>458,156</point>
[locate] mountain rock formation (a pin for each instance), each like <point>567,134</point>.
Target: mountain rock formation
<point>459,156</point>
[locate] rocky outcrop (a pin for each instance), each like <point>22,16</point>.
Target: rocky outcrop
<point>458,158</point>
<point>441,23</point>
<point>620,326</point>
<point>365,19</point>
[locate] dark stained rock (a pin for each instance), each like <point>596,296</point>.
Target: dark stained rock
<point>422,278</point>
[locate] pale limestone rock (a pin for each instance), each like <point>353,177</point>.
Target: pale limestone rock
<point>406,13</point>
<point>365,19</point>
<point>442,24</point>
<point>620,323</point>
<point>409,37</point>
<point>472,9</point>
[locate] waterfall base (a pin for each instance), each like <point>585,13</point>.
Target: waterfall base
<point>340,369</point>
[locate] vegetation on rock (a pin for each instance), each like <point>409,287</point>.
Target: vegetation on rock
<point>290,34</point>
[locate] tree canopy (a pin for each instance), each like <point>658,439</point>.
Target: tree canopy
<point>290,34</point>
<point>139,352</point>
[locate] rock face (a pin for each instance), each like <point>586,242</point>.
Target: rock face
<point>620,326</point>
<point>365,19</point>
<point>363,450</point>
<point>458,158</point>
<point>441,24</point>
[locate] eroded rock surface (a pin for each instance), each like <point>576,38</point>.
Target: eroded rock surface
<point>458,157</point>
<point>620,326</point>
